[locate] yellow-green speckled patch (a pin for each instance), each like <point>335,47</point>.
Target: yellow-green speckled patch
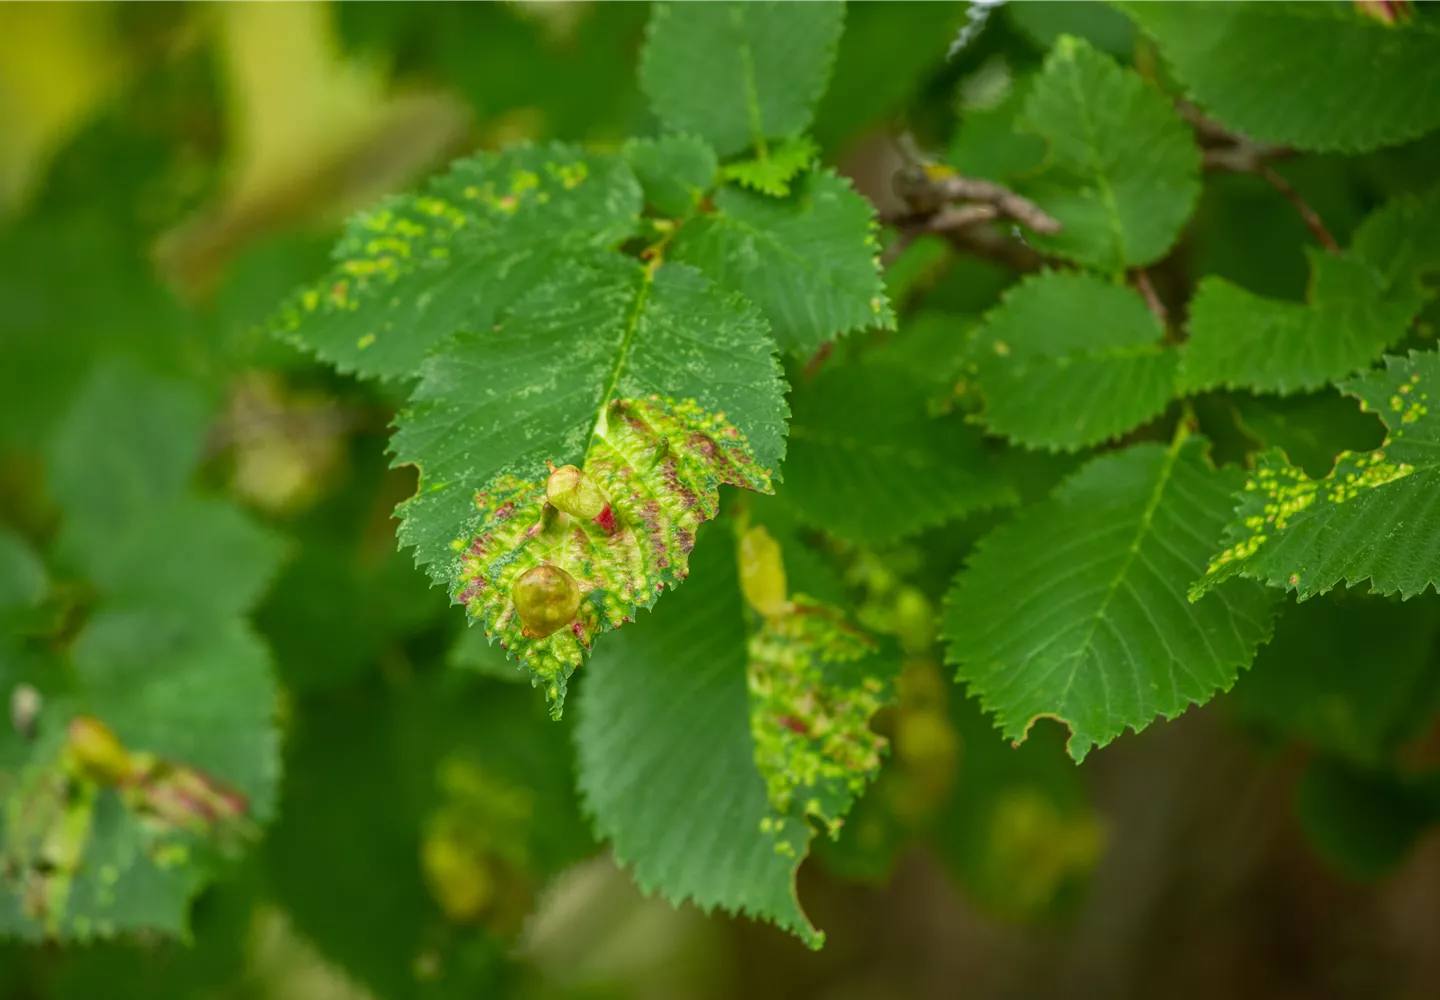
<point>811,725</point>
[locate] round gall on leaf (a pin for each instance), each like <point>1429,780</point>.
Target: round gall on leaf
<point>575,493</point>
<point>547,598</point>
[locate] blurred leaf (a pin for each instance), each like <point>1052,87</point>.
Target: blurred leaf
<point>1313,76</point>
<point>1044,21</point>
<point>675,171</point>
<point>1018,831</point>
<point>1069,360</point>
<point>1356,306</point>
<point>867,464</point>
<point>1123,172</point>
<point>1312,430</point>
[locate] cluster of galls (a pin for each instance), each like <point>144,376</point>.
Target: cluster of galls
<point>547,597</point>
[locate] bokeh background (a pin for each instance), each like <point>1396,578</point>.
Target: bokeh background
<point>168,172</point>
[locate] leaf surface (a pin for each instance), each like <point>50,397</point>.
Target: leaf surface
<point>1069,360</point>
<point>703,755</point>
<point>808,261</point>
<point>739,74</point>
<point>1315,76</point>
<point>657,383</point>
<point>868,464</point>
<point>1356,306</point>
<point>419,268</point>
<point>1123,172</point>
<point>1076,609</point>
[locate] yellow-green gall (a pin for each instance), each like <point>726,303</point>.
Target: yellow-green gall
<point>571,490</point>
<point>762,573</point>
<point>95,753</point>
<point>547,598</point>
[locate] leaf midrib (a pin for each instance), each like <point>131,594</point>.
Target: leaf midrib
<point>1167,468</point>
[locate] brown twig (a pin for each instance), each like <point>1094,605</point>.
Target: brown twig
<point>1152,300</point>
<point>1223,150</point>
<point>1307,214</point>
<point>961,209</point>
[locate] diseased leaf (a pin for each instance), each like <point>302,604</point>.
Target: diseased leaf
<point>192,706</point>
<point>868,464</point>
<point>808,261</point>
<point>666,758</point>
<point>702,754</point>
<point>154,752</point>
<point>419,268</point>
<point>739,74</point>
<point>674,171</point>
<point>1313,76</point>
<point>1076,609</point>
<point>1375,518</point>
<point>656,383</point>
<point>1068,360</point>
<point>1123,171</point>
<point>1357,305</point>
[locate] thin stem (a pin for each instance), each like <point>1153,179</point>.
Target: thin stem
<point>1307,214</point>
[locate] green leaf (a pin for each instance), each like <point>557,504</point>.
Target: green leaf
<point>1123,173</point>
<point>1350,676</point>
<point>867,464</point>
<point>666,758</point>
<point>773,174</point>
<point>414,271</point>
<point>739,73</point>
<point>1357,305</point>
<point>1313,76</point>
<point>130,441</point>
<point>1373,518</point>
<point>155,754</point>
<point>808,261</point>
<point>1068,360</point>
<point>118,467</point>
<point>675,171</point>
<point>592,369</point>
<point>703,755</point>
<point>988,145</point>
<point>1044,21</point>
<point>1076,609</point>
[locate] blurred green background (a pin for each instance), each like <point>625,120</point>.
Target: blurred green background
<point>168,172</point>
